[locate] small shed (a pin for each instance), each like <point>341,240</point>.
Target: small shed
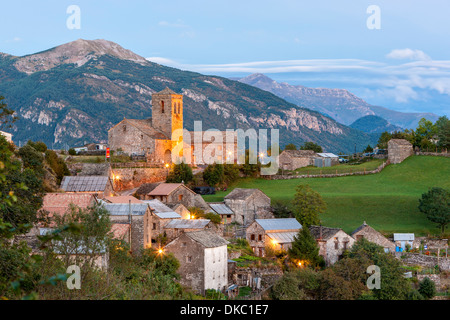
<point>403,239</point>
<point>223,210</point>
<point>326,160</point>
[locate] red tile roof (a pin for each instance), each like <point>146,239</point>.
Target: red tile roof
<point>58,203</point>
<point>165,189</point>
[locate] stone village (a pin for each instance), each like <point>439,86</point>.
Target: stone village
<point>157,208</point>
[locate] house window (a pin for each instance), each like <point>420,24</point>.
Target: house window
<point>154,226</point>
<point>179,107</point>
<point>142,137</point>
<point>189,259</point>
<point>162,106</point>
<point>124,128</point>
<point>228,216</point>
<point>345,245</point>
<point>180,197</point>
<point>259,237</point>
<point>336,243</point>
<point>183,244</point>
<point>252,237</point>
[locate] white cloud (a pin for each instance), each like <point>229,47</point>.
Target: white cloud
<point>411,54</point>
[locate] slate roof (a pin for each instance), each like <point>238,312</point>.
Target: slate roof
<point>161,210</point>
<point>327,233</point>
<point>400,142</point>
<point>364,225</point>
<point>241,193</point>
<point>207,238</point>
<point>123,209</point>
<point>122,199</point>
<point>282,237</point>
<point>146,188</point>
<point>84,183</point>
<point>300,153</point>
<point>167,91</point>
<point>187,224</point>
<point>146,127</point>
<point>279,224</point>
<point>220,208</point>
<point>165,189</point>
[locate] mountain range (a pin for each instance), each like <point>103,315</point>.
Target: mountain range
<point>339,104</point>
<point>75,92</point>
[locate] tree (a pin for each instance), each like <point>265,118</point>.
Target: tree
<point>307,205</point>
<point>427,288</point>
<point>180,173</point>
<point>290,146</point>
<point>281,209</point>
<point>230,173</point>
<point>38,146</point>
<point>383,140</point>
<point>57,164</point>
<point>72,152</point>
<point>214,174</point>
<point>443,132</point>
<point>435,204</point>
<point>311,146</point>
<point>368,149</point>
<point>305,248</point>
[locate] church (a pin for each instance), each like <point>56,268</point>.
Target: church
<point>152,137</point>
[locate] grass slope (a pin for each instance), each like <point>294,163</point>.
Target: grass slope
<point>387,201</point>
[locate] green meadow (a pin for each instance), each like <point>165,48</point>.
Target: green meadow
<point>387,201</point>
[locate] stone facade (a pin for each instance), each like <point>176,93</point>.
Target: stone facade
<point>332,242</point>
<point>203,260</point>
<point>247,203</point>
<point>140,229</point>
<point>367,232</point>
<point>294,159</point>
<point>399,150</point>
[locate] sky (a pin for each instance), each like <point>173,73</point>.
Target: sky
<point>390,53</point>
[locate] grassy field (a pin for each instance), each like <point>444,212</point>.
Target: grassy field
<point>387,201</point>
<point>340,168</point>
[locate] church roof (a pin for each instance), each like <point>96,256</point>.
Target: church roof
<point>167,91</point>
<point>145,126</point>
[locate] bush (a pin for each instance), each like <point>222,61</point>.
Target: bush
<point>415,295</point>
<point>72,152</point>
<point>427,288</point>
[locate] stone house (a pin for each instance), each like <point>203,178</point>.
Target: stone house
<point>137,216</point>
<point>101,186</point>
<point>223,210</point>
<point>276,233</point>
<point>399,150</point>
<point>332,242</point>
<point>294,159</point>
<point>180,209</point>
<point>175,193</point>
<point>248,204</point>
<point>175,227</point>
<point>203,260</point>
<point>370,234</point>
<point>160,216</point>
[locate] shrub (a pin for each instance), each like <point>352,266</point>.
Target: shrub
<point>427,288</point>
<point>72,152</point>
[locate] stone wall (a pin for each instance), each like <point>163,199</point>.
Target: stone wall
<point>191,255</point>
<point>332,175</point>
<point>436,278</point>
<point>399,150</point>
<point>423,260</point>
<point>130,178</point>
<point>129,139</point>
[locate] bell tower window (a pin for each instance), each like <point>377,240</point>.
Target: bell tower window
<point>162,106</point>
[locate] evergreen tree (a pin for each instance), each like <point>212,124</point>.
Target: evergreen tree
<point>427,288</point>
<point>290,146</point>
<point>305,248</point>
<point>311,146</point>
<point>180,173</point>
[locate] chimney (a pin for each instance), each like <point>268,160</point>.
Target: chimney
<point>320,232</point>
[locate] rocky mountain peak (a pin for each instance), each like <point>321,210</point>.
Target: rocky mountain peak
<point>78,52</point>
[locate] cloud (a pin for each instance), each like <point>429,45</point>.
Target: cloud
<point>411,54</point>
<point>396,80</point>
